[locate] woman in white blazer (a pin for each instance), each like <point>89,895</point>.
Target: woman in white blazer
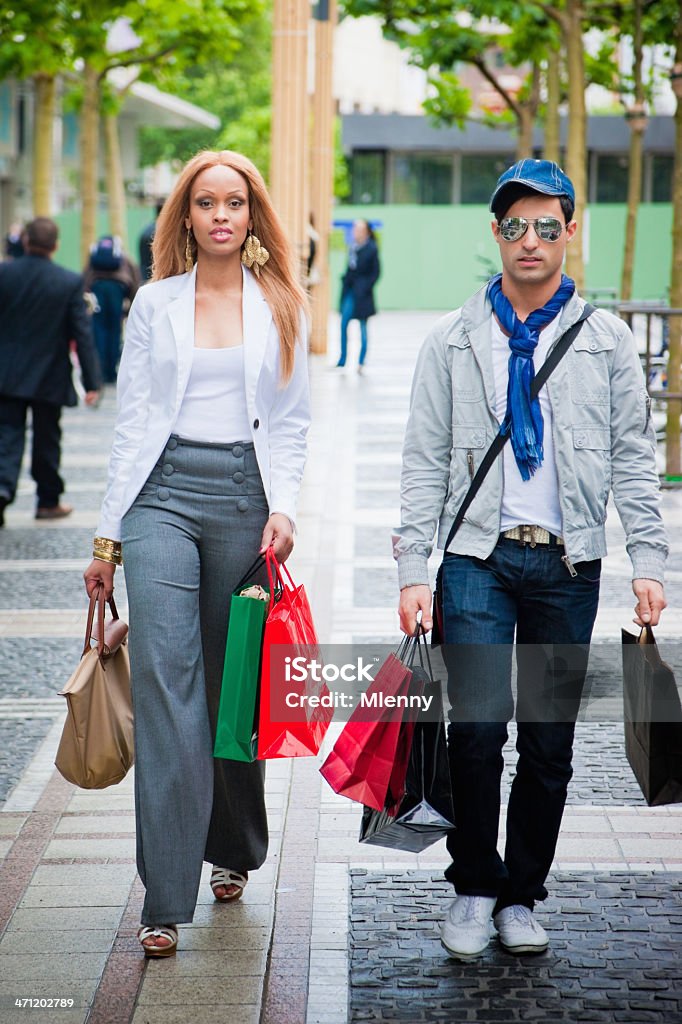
<point>208,454</point>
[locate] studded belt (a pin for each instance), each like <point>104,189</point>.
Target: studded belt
<point>532,535</point>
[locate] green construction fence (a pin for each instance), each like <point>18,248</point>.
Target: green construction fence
<point>433,257</point>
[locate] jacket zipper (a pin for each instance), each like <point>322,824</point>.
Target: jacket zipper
<point>470,463</point>
<point>569,565</point>
<point>565,558</point>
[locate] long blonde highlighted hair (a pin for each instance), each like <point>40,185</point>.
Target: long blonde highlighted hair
<point>278,279</point>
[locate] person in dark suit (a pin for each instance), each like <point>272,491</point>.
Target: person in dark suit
<point>357,287</point>
<point>145,245</point>
<point>43,310</point>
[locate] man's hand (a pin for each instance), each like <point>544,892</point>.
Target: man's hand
<point>280,533</point>
<point>92,397</point>
<point>413,600</point>
<point>650,602</point>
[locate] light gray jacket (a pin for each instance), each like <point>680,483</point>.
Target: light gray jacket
<point>601,427</point>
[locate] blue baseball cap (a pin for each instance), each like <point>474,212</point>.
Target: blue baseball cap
<point>542,176</point>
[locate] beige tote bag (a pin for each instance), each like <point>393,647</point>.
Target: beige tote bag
<point>96,748</point>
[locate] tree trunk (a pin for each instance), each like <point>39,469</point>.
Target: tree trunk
<point>290,121</point>
<point>43,144</point>
<point>115,184</point>
<point>637,127</point>
<point>526,115</point>
<point>673,465</point>
<point>552,120</point>
<point>524,142</point>
<point>576,150</point>
<point>322,174</point>
<point>89,160</point>
<point>634,192</point>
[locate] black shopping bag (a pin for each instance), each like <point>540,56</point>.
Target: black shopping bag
<point>425,813</point>
<point>652,719</point>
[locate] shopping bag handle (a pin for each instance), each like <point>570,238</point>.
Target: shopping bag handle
<point>277,587</point>
<point>646,635</point>
<point>249,573</point>
<point>408,647</point>
<point>423,646</point>
<point>97,599</point>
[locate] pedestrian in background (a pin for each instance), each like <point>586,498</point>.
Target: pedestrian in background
<point>525,565</point>
<point>145,245</point>
<point>43,310</point>
<point>208,454</point>
<point>312,271</point>
<point>357,287</point>
<point>14,243</point>
<point>113,279</point>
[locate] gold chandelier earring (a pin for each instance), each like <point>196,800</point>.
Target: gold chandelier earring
<point>254,254</point>
<point>189,255</point>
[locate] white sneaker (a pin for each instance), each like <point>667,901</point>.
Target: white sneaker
<point>519,931</point>
<point>467,928</point>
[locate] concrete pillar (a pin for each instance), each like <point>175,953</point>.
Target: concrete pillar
<point>290,149</point>
<point>322,176</point>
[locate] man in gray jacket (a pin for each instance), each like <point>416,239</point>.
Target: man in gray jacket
<point>525,564</point>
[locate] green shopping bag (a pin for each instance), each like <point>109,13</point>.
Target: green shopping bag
<point>236,737</point>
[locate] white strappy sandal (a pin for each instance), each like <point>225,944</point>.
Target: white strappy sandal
<point>225,877</point>
<point>166,931</point>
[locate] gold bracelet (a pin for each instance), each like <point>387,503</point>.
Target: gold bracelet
<point>106,556</point>
<point>104,544</point>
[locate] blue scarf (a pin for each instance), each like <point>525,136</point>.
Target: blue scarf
<point>523,418</point>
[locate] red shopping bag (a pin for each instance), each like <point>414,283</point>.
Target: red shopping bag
<point>289,628</point>
<point>368,762</point>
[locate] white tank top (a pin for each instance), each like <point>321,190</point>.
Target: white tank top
<point>534,501</point>
<point>214,405</point>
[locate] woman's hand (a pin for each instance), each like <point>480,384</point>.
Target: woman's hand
<point>100,572</point>
<point>279,533</point>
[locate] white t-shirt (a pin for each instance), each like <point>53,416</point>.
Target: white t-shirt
<point>214,405</point>
<point>536,500</point>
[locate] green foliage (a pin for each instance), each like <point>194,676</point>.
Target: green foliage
<point>237,92</point>
<point>342,182</point>
<point>441,34</point>
<point>57,36</point>
<point>450,102</point>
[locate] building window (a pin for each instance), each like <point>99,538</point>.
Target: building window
<point>612,179</point>
<point>70,135</point>
<point>661,178</point>
<point>368,175</point>
<point>422,178</point>
<point>6,119</point>
<point>480,174</point>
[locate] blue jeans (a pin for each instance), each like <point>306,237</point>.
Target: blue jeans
<point>524,594</point>
<point>106,325</point>
<point>347,311</point>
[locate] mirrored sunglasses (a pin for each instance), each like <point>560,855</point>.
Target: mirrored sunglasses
<point>546,228</point>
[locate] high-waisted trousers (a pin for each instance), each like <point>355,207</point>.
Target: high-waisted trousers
<point>191,534</point>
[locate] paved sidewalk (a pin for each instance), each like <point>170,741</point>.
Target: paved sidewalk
<point>328,931</point>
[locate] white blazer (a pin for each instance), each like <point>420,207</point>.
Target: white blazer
<point>152,379</point>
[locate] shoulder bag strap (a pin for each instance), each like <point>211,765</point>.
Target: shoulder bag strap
<point>550,363</point>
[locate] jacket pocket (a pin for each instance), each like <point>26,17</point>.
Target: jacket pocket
<point>592,438</point>
<point>468,448</point>
<point>592,462</point>
<point>589,369</point>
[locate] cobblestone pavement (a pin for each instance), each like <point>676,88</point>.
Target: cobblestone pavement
<point>67,857</point>
<point>614,954</point>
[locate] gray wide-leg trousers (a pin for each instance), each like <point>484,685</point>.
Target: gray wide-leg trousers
<point>192,532</point>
